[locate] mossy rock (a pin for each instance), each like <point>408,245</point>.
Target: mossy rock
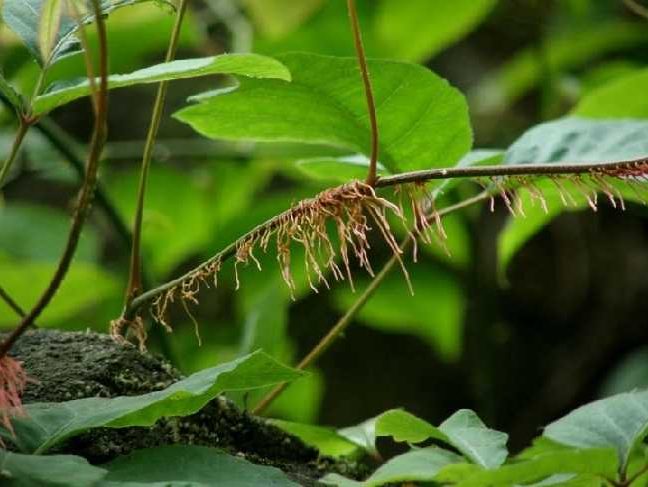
<point>74,365</point>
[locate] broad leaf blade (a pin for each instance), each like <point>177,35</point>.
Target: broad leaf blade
<point>191,466</point>
<point>482,445</point>
<point>47,424</point>
<point>47,471</point>
<point>619,422</point>
<point>423,120</point>
<point>252,65</point>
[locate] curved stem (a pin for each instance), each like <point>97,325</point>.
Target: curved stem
<point>338,329</point>
<point>85,195</point>
<point>371,104</point>
<point>135,274</point>
<point>18,140</point>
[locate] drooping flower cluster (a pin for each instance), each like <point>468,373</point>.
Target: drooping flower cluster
<point>351,210</point>
<point>13,380</point>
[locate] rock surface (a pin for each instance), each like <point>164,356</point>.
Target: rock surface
<point>74,365</point>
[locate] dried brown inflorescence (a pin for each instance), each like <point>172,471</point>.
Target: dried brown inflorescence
<point>13,380</point>
<point>331,228</point>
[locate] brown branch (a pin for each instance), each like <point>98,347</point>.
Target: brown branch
<point>371,104</point>
<point>85,194</point>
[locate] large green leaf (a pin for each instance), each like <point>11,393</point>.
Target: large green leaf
<point>619,422</point>
<point>24,18</point>
<point>593,462</point>
<point>418,29</point>
<point>48,424</point>
<point>422,465</point>
<point>18,470</point>
<point>625,97</point>
<point>190,466</point>
<point>252,65</point>
<point>423,120</point>
<point>573,140</point>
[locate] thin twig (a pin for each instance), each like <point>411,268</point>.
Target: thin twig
<point>637,8</point>
<point>371,104</point>
<point>16,308</point>
<point>338,329</point>
<point>549,169</point>
<point>23,127</point>
<point>85,194</point>
<point>135,287</point>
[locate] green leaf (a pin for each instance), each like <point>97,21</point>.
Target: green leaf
<point>619,422</point>
<point>625,97</point>
<point>338,169</point>
<point>24,18</point>
<point>252,65</point>
<point>418,29</point>
<point>573,140</point>
<point>482,445</point>
<point>18,470</point>
<point>48,424</point>
<point>571,49</point>
<point>326,440</point>
<point>363,435</point>
<point>423,120</point>
<point>403,426</point>
<point>50,23</point>
<point>190,466</point>
<point>594,462</point>
<point>420,465</point>
<point>24,280</point>
<point>276,18</point>
<point>10,93</point>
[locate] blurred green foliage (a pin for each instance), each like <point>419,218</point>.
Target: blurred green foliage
<point>581,58</point>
